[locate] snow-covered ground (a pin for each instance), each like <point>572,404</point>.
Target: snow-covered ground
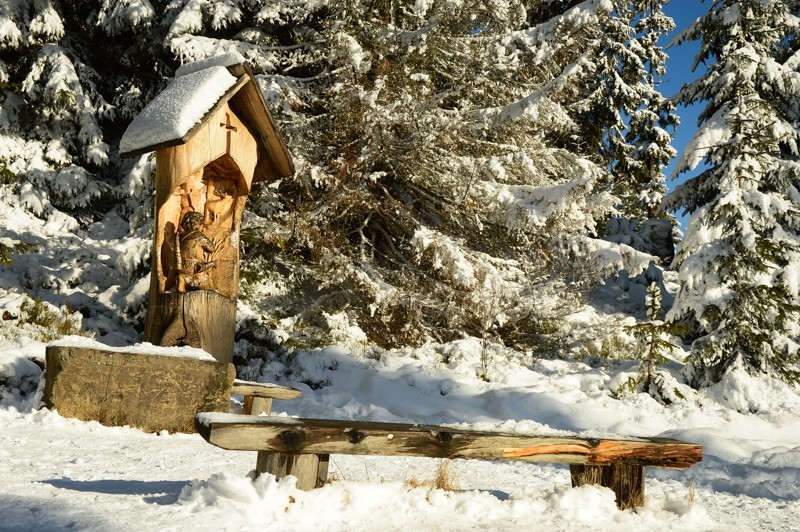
<point>62,474</point>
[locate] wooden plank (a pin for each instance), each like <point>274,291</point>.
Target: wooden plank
<point>155,147</point>
<point>315,436</point>
<point>264,389</point>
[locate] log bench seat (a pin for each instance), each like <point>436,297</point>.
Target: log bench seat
<point>615,463</point>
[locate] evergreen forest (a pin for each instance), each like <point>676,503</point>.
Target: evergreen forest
<point>465,169</point>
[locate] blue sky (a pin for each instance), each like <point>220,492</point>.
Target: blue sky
<point>679,66</point>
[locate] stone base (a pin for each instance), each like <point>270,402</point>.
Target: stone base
<point>151,392</point>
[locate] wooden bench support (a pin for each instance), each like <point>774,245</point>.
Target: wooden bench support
<point>255,406</point>
<point>627,481</point>
<point>258,396</point>
<point>311,470</point>
<point>618,464</point>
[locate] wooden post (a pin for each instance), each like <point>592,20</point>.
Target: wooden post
<point>304,467</point>
<point>254,406</point>
<point>201,318</point>
<point>627,481</point>
<point>311,470</point>
<point>201,190</point>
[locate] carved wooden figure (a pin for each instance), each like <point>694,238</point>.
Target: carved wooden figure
<point>204,172</point>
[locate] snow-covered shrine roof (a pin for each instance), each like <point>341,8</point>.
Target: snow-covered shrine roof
<point>192,98</point>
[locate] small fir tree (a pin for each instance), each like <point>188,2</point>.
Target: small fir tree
<point>654,336</point>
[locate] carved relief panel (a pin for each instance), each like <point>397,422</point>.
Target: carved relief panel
<point>199,248</point>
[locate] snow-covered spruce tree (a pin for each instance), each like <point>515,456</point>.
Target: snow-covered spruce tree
<point>626,118</point>
<point>654,338</point>
<point>440,159</point>
<point>439,156</point>
<point>68,72</point>
<point>740,260</point>
<point>640,152</point>
<point>621,115</point>
<point>71,76</point>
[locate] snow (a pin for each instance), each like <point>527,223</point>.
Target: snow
<point>181,105</point>
<point>140,349</point>
<point>529,205</point>
<point>62,473</point>
<point>224,60</point>
<point>714,132</point>
<point>47,24</point>
<point>116,17</point>
<point>447,254</point>
<point>54,78</point>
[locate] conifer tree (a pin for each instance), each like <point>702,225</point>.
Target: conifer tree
<point>739,260</point>
<point>72,74</point>
<point>441,151</point>
<point>449,158</point>
<point>628,123</point>
<point>654,336</point>
<point>639,158</point>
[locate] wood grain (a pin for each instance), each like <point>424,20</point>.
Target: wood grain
<point>311,470</point>
<point>201,319</point>
<point>627,481</point>
<point>255,406</point>
<point>274,161</point>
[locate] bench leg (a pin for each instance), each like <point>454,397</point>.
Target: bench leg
<point>627,481</point>
<point>322,469</point>
<point>311,470</point>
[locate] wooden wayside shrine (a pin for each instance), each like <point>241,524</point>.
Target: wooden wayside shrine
<point>203,178</point>
<point>615,463</point>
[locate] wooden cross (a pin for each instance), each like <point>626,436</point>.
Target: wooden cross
<point>227,125</point>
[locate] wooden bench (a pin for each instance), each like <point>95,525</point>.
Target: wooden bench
<point>615,463</point>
